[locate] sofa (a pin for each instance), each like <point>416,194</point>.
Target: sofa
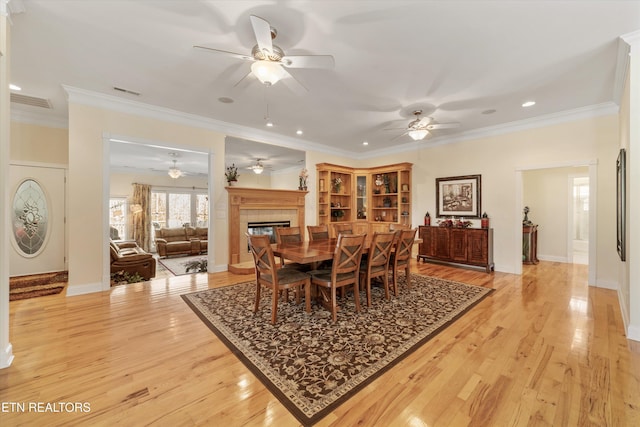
<point>181,241</point>
<point>130,258</point>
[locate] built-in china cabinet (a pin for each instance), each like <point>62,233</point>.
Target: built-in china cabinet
<point>370,198</point>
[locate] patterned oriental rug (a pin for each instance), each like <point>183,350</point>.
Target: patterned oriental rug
<point>312,365</point>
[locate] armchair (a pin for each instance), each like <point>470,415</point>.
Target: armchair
<point>130,258</point>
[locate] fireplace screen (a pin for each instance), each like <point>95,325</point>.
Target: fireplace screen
<point>266,227</point>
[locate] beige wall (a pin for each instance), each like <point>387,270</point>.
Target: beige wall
<point>39,144</point>
<point>87,127</point>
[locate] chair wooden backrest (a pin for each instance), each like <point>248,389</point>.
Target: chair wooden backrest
<point>288,235</point>
<point>377,264</point>
<point>344,271</point>
<point>395,227</point>
<point>265,263</point>
<point>346,258</point>
<point>401,257</point>
<point>342,227</point>
<point>318,232</point>
<point>404,245</point>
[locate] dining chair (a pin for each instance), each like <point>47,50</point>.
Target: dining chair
<point>376,263</point>
<point>318,232</point>
<point>344,271</point>
<point>276,279</point>
<point>395,226</point>
<point>342,227</point>
<point>401,256</point>
<point>290,235</point>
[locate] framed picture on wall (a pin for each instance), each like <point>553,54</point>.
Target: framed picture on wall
<point>458,196</point>
<point>621,204</point>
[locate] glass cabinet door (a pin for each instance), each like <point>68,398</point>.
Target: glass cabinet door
<point>361,197</point>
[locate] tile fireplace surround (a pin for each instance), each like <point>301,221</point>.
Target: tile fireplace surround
<point>260,204</point>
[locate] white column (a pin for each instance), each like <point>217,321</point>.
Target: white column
<point>633,187</point>
<point>6,351</point>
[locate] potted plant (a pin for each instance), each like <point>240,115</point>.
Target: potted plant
<point>231,174</point>
<point>303,179</point>
<point>337,185</point>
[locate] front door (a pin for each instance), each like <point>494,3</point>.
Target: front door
<point>37,201</point>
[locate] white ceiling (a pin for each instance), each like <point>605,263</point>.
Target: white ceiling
<point>452,59</point>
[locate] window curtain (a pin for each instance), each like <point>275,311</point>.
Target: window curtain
<point>141,215</point>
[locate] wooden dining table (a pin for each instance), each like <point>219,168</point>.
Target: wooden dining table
<point>313,251</point>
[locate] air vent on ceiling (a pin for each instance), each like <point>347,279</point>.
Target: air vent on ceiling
<point>19,98</point>
<point>119,89</point>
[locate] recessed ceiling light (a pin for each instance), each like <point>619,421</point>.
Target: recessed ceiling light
<point>299,132</point>
<point>529,103</point>
<point>365,143</point>
<point>491,111</point>
<point>225,100</point>
<point>14,87</point>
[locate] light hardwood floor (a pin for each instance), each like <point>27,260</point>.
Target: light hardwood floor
<point>543,349</point>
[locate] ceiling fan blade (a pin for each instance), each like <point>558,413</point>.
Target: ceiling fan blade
<point>403,128</point>
<point>245,80</point>
<point>262,30</point>
<point>399,136</point>
<point>293,84</point>
<point>423,122</point>
<point>224,52</point>
<point>308,61</point>
<point>443,126</point>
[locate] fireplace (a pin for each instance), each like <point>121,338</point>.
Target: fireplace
<point>266,227</point>
<point>251,205</point>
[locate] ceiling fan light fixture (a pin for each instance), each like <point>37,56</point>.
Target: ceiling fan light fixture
<point>418,134</point>
<point>257,169</point>
<point>173,171</point>
<point>268,72</point>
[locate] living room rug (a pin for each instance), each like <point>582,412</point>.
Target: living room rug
<point>178,265</point>
<point>37,285</point>
<point>312,365</point>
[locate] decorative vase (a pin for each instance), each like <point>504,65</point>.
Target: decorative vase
<point>232,183</point>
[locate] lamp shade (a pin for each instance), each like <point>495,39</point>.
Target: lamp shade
<point>268,72</point>
<point>418,134</point>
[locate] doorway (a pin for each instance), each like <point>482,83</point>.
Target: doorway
<point>578,243</point>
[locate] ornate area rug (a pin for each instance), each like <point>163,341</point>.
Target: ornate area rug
<point>37,285</point>
<point>312,365</point>
<point>177,265</point>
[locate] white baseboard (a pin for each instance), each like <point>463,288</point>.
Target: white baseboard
<point>633,332</point>
<point>84,289</point>
<point>218,268</point>
<point>553,258</point>
<point>606,285</point>
<point>6,357</point>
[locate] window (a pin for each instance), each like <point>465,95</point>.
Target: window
<point>118,218</point>
<point>179,208</point>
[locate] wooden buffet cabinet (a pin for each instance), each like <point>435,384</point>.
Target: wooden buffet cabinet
<point>468,246</point>
<point>370,198</point>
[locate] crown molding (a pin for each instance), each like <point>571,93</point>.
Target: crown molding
<point>113,103</point>
<point>604,109</point>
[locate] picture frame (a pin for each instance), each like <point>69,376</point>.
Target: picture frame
<point>321,184</point>
<point>459,196</point>
<point>405,187</point>
<point>621,204</point>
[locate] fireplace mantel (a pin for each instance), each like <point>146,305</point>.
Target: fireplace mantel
<point>259,199</point>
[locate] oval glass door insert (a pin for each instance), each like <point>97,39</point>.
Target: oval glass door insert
<point>30,217</point>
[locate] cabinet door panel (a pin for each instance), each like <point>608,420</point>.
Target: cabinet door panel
<point>458,249</point>
<point>441,242</point>
<point>477,247</point>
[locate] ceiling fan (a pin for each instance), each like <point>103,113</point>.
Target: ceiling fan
<point>419,128</point>
<point>259,167</point>
<point>270,61</point>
